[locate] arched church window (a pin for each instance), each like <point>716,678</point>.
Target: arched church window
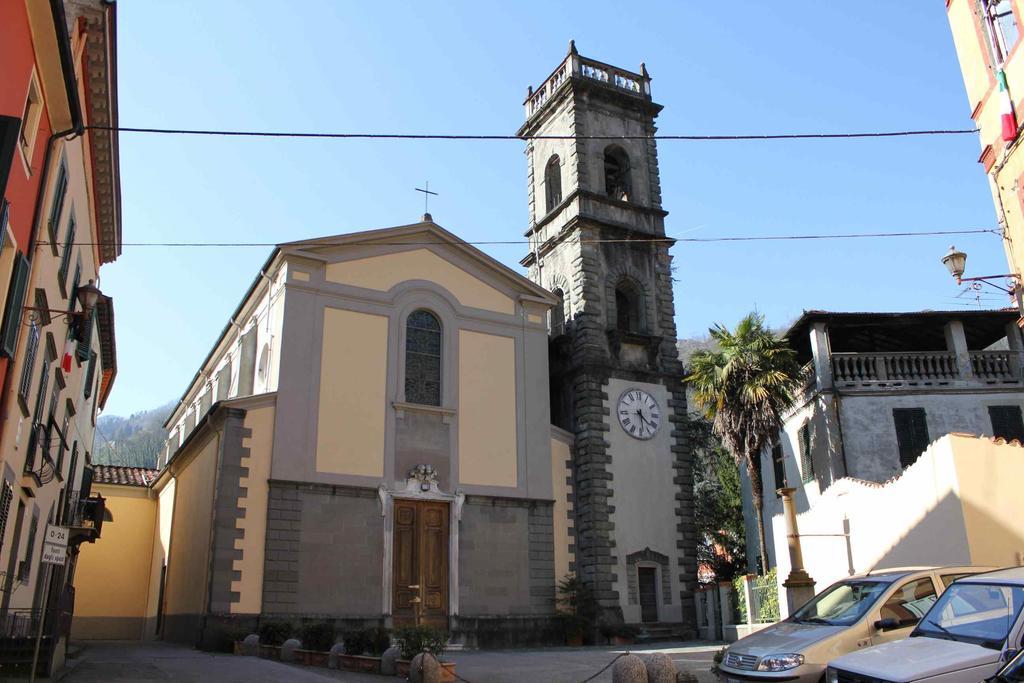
<point>423,358</point>
<point>558,314</point>
<point>627,308</point>
<point>553,182</point>
<point>616,174</point>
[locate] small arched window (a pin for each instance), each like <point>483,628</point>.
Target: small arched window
<point>423,358</point>
<point>616,174</point>
<point>627,308</point>
<point>553,183</point>
<point>558,314</point>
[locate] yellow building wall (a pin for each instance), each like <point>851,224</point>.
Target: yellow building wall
<point>254,522</point>
<point>189,560</point>
<point>561,454</point>
<point>161,548</point>
<point>969,50</point>
<point>112,577</point>
<point>988,484</point>
<point>384,272</point>
<point>353,385</point>
<point>487,409</point>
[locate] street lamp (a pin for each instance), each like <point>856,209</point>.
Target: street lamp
<point>955,261</point>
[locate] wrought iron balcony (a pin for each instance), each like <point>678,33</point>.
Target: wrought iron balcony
<point>85,516</point>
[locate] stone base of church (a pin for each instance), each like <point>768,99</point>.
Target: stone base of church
<point>492,632</point>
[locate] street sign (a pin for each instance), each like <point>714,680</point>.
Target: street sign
<point>55,544</point>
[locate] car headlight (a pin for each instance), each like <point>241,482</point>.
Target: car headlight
<point>780,662</point>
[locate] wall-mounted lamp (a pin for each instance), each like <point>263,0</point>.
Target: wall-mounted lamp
<point>88,296</point>
<point>955,261</point>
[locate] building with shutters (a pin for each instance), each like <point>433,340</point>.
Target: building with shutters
<point>882,387</point>
<point>61,222</point>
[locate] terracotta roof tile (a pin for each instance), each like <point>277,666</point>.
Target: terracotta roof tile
<point>127,476</point>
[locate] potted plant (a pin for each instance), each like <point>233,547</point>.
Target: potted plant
<point>618,633</point>
<point>317,637</point>
<point>359,646</point>
<point>412,640</point>
<point>576,610</point>
<point>272,634</point>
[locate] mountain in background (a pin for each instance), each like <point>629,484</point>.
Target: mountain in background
<point>133,441</point>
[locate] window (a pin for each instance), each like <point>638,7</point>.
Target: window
<point>911,433</point>
<point>37,413</point>
<point>910,602</point>
<point>1000,28</point>
<point>423,358</point>
<point>1007,422</point>
<point>90,375</point>
<point>60,190</point>
<point>616,174</point>
<point>806,454</point>
<point>8,251</point>
<point>65,256</point>
<point>779,467</point>
<point>6,496</point>
<point>25,384</point>
<point>30,119</point>
<point>558,314</point>
<point>15,302</point>
<point>950,578</point>
<point>627,307</point>
<point>553,183</point>
<point>25,569</point>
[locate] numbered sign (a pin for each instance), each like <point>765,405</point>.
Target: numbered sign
<point>55,544</point>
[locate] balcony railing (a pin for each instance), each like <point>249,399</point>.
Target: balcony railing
<point>923,367</point>
<point>581,67</point>
<point>85,517</point>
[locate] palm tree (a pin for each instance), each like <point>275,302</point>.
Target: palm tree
<point>744,386</point>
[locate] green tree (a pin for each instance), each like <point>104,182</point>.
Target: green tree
<point>718,504</point>
<point>744,386</point>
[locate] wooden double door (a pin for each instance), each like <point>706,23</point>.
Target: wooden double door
<point>420,559</point>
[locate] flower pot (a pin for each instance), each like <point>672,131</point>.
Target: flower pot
<point>360,663</point>
<point>270,651</point>
<point>238,647</point>
<point>448,672</point>
<point>574,640</point>
<point>402,667</point>
<point>319,658</point>
<point>622,640</point>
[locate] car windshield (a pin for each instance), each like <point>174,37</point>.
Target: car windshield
<point>841,603</point>
<point>978,613</point>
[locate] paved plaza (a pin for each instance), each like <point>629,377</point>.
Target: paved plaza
<point>130,661</point>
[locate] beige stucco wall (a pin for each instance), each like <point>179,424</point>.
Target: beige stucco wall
<point>989,475</point>
<point>253,522</point>
<point>187,580</point>
<point>487,409</point>
<point>112,577</point>
<point>353,373</point>
<point>384,272</point>
<point>164,490</point>
<point>561,455</point>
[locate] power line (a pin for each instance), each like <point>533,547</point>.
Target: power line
<point>466,136</point>
<point>638,240</point>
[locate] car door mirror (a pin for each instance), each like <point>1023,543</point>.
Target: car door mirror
<point>1013,672</point>
<point>887,624</point>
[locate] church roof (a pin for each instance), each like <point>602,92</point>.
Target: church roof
<point>126,476</point>
<point>432,234</point>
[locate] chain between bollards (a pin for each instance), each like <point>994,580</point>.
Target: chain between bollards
<point>585,680</point>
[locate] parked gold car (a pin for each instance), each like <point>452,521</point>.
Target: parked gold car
<point>857,612</point>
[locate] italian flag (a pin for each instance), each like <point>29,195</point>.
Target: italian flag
<point>1006,108</point>
<point>69,353</point>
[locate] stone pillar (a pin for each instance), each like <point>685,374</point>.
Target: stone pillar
<point>1013,339</point>
<point>799,585</point>
<point>822,355</point>
<point>748,595</point>
<point>956,341</point>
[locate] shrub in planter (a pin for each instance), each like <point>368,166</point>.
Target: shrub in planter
<point>378,640</point>
<point>356,642</point>
<point>274,632</point>
<point>317,636</point>
<point>412,640</point>
<point>221,637</point>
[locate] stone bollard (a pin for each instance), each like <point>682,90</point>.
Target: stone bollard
<point>629,669</point>
<point>686,677</point>
<point>424,668</point>
<point>334,660</point>
<point>660,668</point>
<point>388,660</point>
<point>251,645</point>
<point>288,649</point>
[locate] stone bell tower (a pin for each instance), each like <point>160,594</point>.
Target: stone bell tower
<point>597,240</point>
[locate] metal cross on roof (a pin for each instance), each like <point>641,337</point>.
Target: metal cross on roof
<point>426,197</point>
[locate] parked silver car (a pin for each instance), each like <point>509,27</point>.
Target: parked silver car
<point>858,612</point>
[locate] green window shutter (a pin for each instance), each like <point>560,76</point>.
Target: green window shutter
<point>911,433</point>
<point>90,374</point>
<point>59,192</point>
<point>779,466</point>
<point>73,295</point>
<point>65,257</point>
<point>806,456</point>
<point>85,337</point>
<point>15,302</point>
<point>30,362</point>
<point>1007,422</point>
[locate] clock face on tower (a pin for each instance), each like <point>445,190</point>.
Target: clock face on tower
<point>639,413</point>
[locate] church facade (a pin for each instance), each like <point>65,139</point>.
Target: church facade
<point>394,426</point>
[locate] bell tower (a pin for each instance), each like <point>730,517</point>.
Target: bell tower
<point>597,240</point>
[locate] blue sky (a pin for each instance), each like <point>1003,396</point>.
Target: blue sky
<point>463,67</point>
